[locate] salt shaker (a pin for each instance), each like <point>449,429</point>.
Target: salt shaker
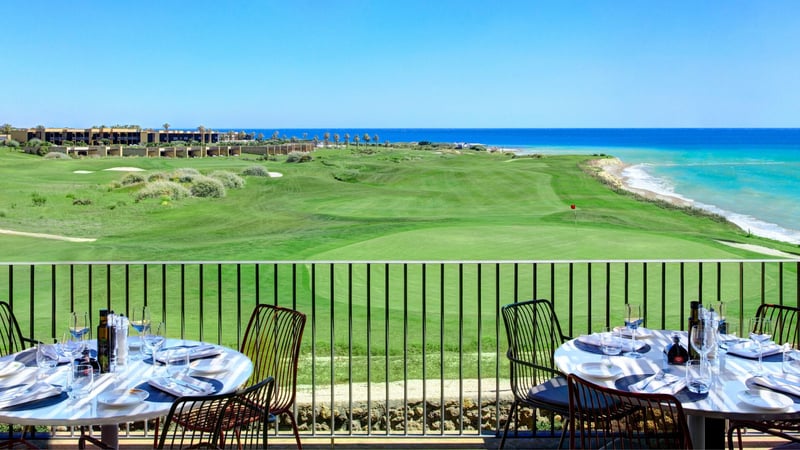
<point>122,340</point>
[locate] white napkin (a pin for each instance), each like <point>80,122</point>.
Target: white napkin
<point>749,349</point>
<point>775,383</point>
<point>10,367</point>
<point>670,384</point>
<point>182,385</point>
<point>200,351</point>
<point>27,393</point>
<point>594,339</point>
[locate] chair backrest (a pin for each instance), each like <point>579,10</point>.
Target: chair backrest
<point>533,335</point>
<point>272,342</point>
<point>246,421</point>
<point>607,418</point>
<point>11,340</point>
<point>784,322</point>
<point>194,422</point>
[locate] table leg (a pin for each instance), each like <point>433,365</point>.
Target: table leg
<point>109,434</point>
<point>707,433</point>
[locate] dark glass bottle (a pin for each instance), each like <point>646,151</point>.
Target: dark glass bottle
<point>694,319</point>
<point>103,343</point>
<point>676,354</point>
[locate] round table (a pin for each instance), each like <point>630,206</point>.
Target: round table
<point>722,401</point>
<point>86,411</point>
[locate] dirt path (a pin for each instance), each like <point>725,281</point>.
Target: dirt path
<point>46,236</point>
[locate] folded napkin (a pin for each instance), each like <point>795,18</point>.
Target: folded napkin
<point>27,393</point>
<point>182,385</point>
<point>9,367</point>
<point>196,352</point>
<point>670,384</point>
<point>594,339</point>
<point>749,349</point>
<point>775,383</point>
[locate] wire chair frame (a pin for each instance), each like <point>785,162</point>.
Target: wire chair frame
<point>607,418</point>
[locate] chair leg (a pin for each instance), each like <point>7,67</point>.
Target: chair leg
<point>563,434</point>
<point>508,422</point>
<point>296,431</point>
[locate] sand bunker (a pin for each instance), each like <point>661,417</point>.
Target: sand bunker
<point>274,174</point>
<point>82,171</point>
<point>126,169</point>
<point>760,249</point>
<point>46,236</point>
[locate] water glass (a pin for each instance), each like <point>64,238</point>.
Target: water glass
<point>791,360</point>
<point>46,358</point>
<point>81,379</point>
<point>633,320</point>
<point>760,330</point>
<point>610,342</point>
<point>177,362</point>
<point>140,321</point>
<point>698,376</point>
<point>153,339</point>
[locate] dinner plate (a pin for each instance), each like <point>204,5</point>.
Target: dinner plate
<point>209,366</point>
<point>763,399</point>
<point>11,368</point>
<point>122,397</point>
<point>599,370</point>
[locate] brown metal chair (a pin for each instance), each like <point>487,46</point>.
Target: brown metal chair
<point>785,329</point>
<point>235,420</point>
<point>12,341</point>
<point>607,418</point>
<point>272,342</point>
<point>533,335</point>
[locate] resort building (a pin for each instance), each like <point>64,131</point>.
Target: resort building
<point>115,136</point>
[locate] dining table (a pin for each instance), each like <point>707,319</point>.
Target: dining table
<point>735,391</point>
<point>138,390</point>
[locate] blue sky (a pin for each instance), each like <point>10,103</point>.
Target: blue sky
<point>401,64</point>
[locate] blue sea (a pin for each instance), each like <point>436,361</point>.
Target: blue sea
<point>750,176</point>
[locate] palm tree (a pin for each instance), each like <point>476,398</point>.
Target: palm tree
<point>336,139</point>
<point>346,139</point>
<point>63,135</point>
<point>166,130</point>
<point>375,139</point>
<point>202,131</point>
<point>366,138</point>
<point>276,136</point>
<point>6,127</point>
<point>102,131</point>
<point>40,132</point>
<point>356,139</point>
<point>326,138</point>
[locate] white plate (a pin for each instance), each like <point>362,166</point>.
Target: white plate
<point>11,368</point>
<point>209,366</point>
<point>762,399</point>
<point>123,397</point>
<point>599,370</point>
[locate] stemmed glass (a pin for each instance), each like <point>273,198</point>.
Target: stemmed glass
<point>154,338</point>
<point>140,321</point>
<point>79,326</point>
<point>633,319</point>
<point>46,357</point>
<point>703,338</point>
<point>760,332</point>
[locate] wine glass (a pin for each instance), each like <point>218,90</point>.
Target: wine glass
<point>760,332</point>
<point>46,358</point>
<point>79,326</point>
<point>633,319</point>
<point>140,321</point>
<point>154,338</point>
<point>71,347</point>
<point>702,338</point>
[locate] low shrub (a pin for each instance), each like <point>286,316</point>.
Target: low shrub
<point>159,189</point>
<point>132,178</point>
<point>38,199</point>
<point>298,157</point>
<point>56,155</point>
<point>255,171</point>
<point>229,179</point>
<point>347,175</point>
<point>185,175</point>
<point>207,187</point>
<point>81,202</point>
<point>158,176</point>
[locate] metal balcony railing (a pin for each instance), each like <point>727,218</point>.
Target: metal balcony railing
<point>393,348</point>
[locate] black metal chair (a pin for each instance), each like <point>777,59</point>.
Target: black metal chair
<point>272,341</point>
<point>785,329</point>
<point>602,417</point>
<point>12,341</point>
<point>234,420</point>
<point>533,335</point>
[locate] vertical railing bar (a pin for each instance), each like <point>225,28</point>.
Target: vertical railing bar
<point>497,303</point>
<point>626,283</point>
<point>239,317</point>
<point>405,349</point>
<point>108,288</point>
<point>515,295</point>
<point>424,309</point>
<point>441,347</point>
<point>294,287</point>
<point>164,291</point>
<point>644,291</point>
<point>90,307</point>
<point>71,287</point>
<point>314,347</point>
<point>780,283</point>
<point>719,282</point>
<point>350,344</point>
<point>700,282</point>
<point>479,301</point>
<point>11,285</point>
<point>571,297</point>
<point>332,298</point>
<point>386,342</point>
<point>741,294</point>
<point>127,289</point>
<point>53,301</point>
<point>369,345</point>
<point>553,283</point>
<point>535,280</point>
<point>182,291</point>
<point>145,286</point>
<point>664,297</point>
<point>608,294</point>
<point>763,286</point>
<point>588,296</point>
<point>682,294</point>
<point>460,349</point>
<point>797,285</point>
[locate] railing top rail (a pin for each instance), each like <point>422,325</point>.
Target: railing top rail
<point>447,262</point>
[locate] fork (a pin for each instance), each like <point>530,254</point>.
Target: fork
<point>658,376</point>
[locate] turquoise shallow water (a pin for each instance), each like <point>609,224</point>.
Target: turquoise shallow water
<point>750,176</point>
